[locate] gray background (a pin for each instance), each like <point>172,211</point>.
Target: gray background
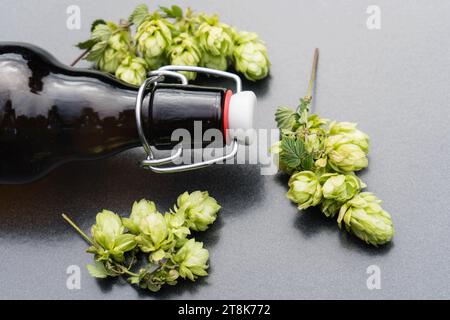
<point>394,82</point>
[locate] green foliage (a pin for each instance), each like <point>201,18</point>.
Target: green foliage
<point>171,35</point>
<point>117,242</point>
<point>322,158</point>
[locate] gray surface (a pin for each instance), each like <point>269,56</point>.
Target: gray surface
<point>394,82</point>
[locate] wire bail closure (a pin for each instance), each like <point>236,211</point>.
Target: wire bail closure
<point>159,75</point>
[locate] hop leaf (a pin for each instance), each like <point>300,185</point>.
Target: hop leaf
<point>139,14</point>
<point>286,118</point>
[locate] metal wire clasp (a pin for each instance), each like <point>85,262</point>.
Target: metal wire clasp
<point>159,75</point>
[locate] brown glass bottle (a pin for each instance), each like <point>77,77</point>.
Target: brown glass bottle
<point>51,114</point>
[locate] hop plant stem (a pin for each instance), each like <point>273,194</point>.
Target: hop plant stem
<point>83,235</point>
<point>312,79</point>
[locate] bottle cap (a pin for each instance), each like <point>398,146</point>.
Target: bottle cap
<point>241,116</point>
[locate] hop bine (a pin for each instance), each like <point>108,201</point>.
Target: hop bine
<point>115,242</point>
<point>322,158</point>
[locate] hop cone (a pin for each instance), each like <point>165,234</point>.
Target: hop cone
<point>214,38</point>
<point>364,217</point>
<point>199,208</point>
<point>346,147</point>
<point>304,189</point>
<point>214,62</point>
<point>155,237</point>
<point>132,70</point>
<point>116,49</point>
<point>336,189</point>
<point>184,51</point>
<point>109,237</point>
<point>139,211</point>
<point>192,260</point>
<point>153,38</point>
<point>250,56</point>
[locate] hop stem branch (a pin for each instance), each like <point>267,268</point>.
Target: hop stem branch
<point>312,79</point>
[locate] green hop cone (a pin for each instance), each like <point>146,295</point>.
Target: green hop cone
<point>192,260</point>
<point>346,147</point>
<point>214,38</point>
<point>214,62</point>
<point>336,189</point>
<point>185,52</point>
<point>330,207</point>
<point>139,211</point>
<point>153,38</point>
<point>340,187</point>
<point>109,237</point>
<point>199,209</point>
<point>132,70</point>
<point>114,48</point>
<point>250,56</point>
<point>156,237</point>
<point>348,128</point>
<point>304,189</point>
<point>177,225</point>
<point>365,218</point>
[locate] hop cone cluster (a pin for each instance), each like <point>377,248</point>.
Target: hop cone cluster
<point>162,237</point>
<point>322,158</point>
<point>171,36</point>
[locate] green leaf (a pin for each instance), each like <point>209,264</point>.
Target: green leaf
<point>97,51</point>
<point>177,11</point>
<point>286,118</point>
<point>88,44</point>
<point>97,22</point>
<point>172,12</point>
<point>101,32</point>
<point>97,270</point>
<point>307,162</point>
<point>293,151</point>
<point>139,14</point>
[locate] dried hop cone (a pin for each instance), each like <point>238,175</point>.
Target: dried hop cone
<point>304,189</point>
<point>250,56</point>
<point>132,70</point>
<point>110,240</point>
<point>153,38</point>
<point>364,217</point>
<point>184,51</point>
<point>346,147</point>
